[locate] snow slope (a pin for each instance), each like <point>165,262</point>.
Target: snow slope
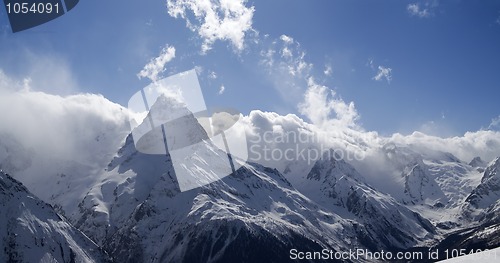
<point>139,204</point>
<point>486,194</point>
<point>31,231</point>
<point>138,213</point>
<point>336,185</point>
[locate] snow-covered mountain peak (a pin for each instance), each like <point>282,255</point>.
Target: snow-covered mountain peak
<point>401,157</point>
<point>492,170</point>
<point>332,167</point>
<point>420,186</point>
<point>169,125</point>
<point>9,185</point>
<point>487,193</point>
<point>168,108</point>
<point>477,162</point>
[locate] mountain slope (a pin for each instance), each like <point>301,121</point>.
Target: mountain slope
<point>420,186</point>
<point>335,184</point>
<point>478,236</point>
<point>138,212</point>
<point>486,194</point>
<point>31,231</point>
<point>139,205</point>
<point>150,203</point>
<point>478,163</point>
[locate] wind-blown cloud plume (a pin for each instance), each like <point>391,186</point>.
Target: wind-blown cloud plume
<point>157,65</point>
<point>287,67</point>
<point>495,124</point>
<point>85,128</point>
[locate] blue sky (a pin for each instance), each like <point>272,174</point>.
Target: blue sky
<point>441,59</point>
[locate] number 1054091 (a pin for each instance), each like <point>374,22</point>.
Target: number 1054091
<point>33,8</point>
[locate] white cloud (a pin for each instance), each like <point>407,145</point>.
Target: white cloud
<point>293,57</point>
<point>436,128</point>
<point>370,64</point>
<point>199,69</point>
<point>320,104</point>
<point>383,72</point>
<point>328,70</point>
<point>222,89</point>
<point>44,136</point>
<point>485,144</point>
<point>226,20</point>
<point>267,57</point>
<point>286,64</point>
<point>424,9</point>
<point>212,75</point>
<point>52,74</point>
<point>300,141</point>
<point>84,128</point>
<point>495,124</point>
<point>88,128</point>
<point>286,51</point>
<point>415,10</point>
<point>286,39</point>
<point>47,72</point>
<point>9,85</point>
<point>157,65</point>
<point>265,129</point>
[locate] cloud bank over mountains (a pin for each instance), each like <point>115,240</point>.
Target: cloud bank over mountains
<point>61,127</point>
<point>76,127</point>
<point>65,126</point>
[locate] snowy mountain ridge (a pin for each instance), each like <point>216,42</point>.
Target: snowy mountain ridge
<point>134,209</point>
<point>31,230</point>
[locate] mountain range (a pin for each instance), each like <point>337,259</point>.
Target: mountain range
<point>133,209</point>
